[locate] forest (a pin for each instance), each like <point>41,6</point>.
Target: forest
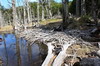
<point>50,33</point>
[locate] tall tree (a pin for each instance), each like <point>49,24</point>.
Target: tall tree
<point>77,8</point>
<point>65,14</point>
<point>15,19</point>
<point>49,9</point>
<point>1,17</point>
<point>38,13</point>
<point>43,9</point>
<point>94,12</point>
<point>16,27</point>
<point>83,9</point>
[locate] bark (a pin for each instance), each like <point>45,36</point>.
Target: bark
<point>42,12</point>
<point>83,9</point>
<point>94,12</point>
<point>77,8</point>
<point>15,21</point>
<point>62,55</point>
<point>65,14</point>
<point>25,21</point>
<point>28,11</point>
<point>49,9</point>
<point>1,19</point>
<point>38,13</point>
<point>49,56</point>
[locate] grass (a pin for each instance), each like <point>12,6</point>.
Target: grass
<point>6,28</point>
<point>45,22</point>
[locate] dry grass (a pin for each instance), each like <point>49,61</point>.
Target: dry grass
<point>6,28</point>
<point>45,22</point>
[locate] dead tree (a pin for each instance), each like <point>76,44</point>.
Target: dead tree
<point>83,9</point>
<point>1,19</point>
<point>94,12</point>
<point>43,9</point>
<point>77,8</point>
<point>65,14</point>
<point>15,19</point>
<point>49,9</point>
<point>38,13</point>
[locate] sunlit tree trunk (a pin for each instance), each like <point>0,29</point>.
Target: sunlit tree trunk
<point>1,19</point>
<point>28,11</point>
<point>49,9</point>
<point>83,9</point>
<point>42,12</point>
<point>15,21</point>
<point>25,19</point>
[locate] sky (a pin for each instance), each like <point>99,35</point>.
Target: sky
<point>7,3</point>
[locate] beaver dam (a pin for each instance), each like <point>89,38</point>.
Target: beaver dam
<point>64,48</point>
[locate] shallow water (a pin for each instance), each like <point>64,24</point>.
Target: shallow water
<point>30,55</point>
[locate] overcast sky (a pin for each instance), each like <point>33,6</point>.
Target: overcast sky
<point>7,3</point>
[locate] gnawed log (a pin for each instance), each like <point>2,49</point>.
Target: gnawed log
<point>50,55</point>
<point>62,55</point>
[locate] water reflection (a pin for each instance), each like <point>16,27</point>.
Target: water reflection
<point>13,52</point>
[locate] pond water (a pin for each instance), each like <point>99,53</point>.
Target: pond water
<point>20,52</point>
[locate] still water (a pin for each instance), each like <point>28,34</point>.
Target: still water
<point>25,55</point>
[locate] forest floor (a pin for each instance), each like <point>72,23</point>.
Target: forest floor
<point>45,22</point>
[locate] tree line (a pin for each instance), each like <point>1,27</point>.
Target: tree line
<point>48,9</point>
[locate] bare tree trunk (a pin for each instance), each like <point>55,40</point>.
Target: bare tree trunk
<point>1,19</point>
<point>77,8</point>
<point>25,19</point>
<point>15,21</point>
<point>83,9</point>
<point>65,14</point>
<point>94,12</point>
<point>38,13</point>
<point>28,12</point>
<point>42,12</point>
<point>47,12</point>
<point>49,9</point>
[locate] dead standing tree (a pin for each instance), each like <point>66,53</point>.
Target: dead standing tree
<point>83,9</point>
<point>15,27</point>
<point>15,18</point>
<point>94,12</point>
<point>1,19</point>
<point>77,8</point>
<point>65,14</point>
